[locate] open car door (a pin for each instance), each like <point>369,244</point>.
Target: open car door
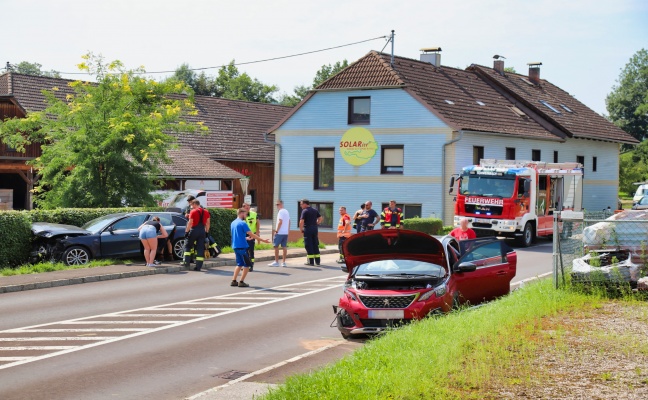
<point>494,264</point>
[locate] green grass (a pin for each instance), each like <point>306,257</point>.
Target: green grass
<point>268,246</point>
<point>49,267</point>
<point>456,356</point>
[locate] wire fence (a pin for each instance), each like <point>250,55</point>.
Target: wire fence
<point>601,248</point>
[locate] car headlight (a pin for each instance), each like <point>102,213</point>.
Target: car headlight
<point>350,294</point>
<point>437,291</point>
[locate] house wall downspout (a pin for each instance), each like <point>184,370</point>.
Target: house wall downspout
<point>277,165</point>
<point>443,173</point>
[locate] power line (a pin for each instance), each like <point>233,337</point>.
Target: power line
<point>248,62</point>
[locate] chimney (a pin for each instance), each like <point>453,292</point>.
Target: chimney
<point>431,55</point>
<point>498,66</point>
<point>534,72</point>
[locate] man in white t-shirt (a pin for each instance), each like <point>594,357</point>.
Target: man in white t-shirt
<point>280,234</point>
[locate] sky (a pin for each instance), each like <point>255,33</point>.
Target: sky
<point>583,44</point>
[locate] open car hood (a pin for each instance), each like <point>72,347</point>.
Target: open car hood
<point>46,229</point>
<point>385,244</point>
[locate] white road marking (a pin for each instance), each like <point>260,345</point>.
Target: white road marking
<point>53,339</point>
<point>223,302</point>
<point>160,311</point>
<point>22,348</point>
<point>12,358</point>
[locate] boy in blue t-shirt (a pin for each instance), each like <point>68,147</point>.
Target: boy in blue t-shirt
<point>240,232</point>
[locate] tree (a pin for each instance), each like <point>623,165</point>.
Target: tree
<point>27,68</point>
<point>627,104</point>
<point>230,83</point>
<point>324,73</point>
<point>633,167</point>
<point>510,70</point>
<point>103,144</point>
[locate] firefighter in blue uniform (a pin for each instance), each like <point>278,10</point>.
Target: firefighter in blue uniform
<point>310,219</point>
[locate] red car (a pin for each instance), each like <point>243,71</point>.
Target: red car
<point>397,275</point>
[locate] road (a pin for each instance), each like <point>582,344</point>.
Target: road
<point>171,336</point>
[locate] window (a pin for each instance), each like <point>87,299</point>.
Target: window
<point>409,210</point>
<point>392,159</point>
<point>324,169</point>
<point>449,102</point>
<point>581,160</point>
<point>481,103</point>
<point>478,154</point>
<point>556,156</point>
<point>359,110</point>
<point>510,153</point>
<point>566,108</point>
<point>325,210</point>
<point>594,160</point>
<point>133,222</point>
<point>549,106</point>
<point>535,155</point>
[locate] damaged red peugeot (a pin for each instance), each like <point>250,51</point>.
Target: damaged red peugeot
<point>397,275</point>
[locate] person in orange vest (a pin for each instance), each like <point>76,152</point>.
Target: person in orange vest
<point>391,216</point>
<point>343,231</point>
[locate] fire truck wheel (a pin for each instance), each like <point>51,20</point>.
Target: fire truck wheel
<point>527,235</point>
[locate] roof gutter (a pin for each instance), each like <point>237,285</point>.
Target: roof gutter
<point>443,172</point>
<point>276,164</point>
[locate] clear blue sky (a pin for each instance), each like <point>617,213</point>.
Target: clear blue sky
<point>583,44</point>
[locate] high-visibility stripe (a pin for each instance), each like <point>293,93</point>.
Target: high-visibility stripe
<point>200,258</point>
<point>316,256</point>
<point>187,253</point>
<point>310,256</point>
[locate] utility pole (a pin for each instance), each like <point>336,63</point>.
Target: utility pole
<point>392,43</point>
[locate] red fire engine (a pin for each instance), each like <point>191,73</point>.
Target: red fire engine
<point>516,198</point>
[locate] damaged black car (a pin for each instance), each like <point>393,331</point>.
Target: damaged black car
<point>110,236</point>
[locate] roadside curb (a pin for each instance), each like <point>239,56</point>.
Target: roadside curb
<point>95,275</point>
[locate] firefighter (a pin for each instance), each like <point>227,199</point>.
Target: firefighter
<point>343,231</point>
<point>391,216</point>
<point>310,219</point>
<point>197,228</point>
<point>254,225</point>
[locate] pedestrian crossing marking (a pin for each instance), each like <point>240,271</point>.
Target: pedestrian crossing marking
<point>254,298</point>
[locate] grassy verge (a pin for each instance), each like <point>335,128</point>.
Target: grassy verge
<point>268,246</point>
<point>49,267</point>
<point>457,356</point>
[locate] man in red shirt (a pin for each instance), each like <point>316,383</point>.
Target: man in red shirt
<point>197,228</point>
<point>463,232</point>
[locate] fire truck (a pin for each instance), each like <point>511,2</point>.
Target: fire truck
<point>516,199</point>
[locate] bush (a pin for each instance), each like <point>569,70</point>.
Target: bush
<point>431,226</point>
<point>78,216</point>
<point>219,227</point>
<point>15,234</point>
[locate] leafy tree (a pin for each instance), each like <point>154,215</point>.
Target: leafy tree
<point>27,68</point>
<point>230,83</point>
<point>633,167</point>
<point>324,73</point>
<point>103,144</point>
<point>627,104</point>
<point>510,70</point>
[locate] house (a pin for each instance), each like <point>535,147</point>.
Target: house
<point>380,131</point>
<point>234,148</point>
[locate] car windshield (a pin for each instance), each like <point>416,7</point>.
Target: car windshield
<point>98,224</point>
<point>400,267</point>
<point>644,201</point>
<point>487,185</point>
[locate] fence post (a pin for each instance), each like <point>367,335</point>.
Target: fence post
<point>556,237</point>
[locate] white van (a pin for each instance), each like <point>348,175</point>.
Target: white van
<point>642,191</point>
<point>207,198</point>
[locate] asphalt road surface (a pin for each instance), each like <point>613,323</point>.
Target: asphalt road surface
<point>171,336</point>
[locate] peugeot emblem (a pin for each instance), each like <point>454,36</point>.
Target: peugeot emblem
<point>386,302</point>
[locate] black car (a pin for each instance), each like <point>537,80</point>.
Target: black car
<point>110,236</point>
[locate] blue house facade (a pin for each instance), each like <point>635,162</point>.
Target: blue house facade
<point>379,131</point>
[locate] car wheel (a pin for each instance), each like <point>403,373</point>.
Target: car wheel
<point>178,248</point>
<point>527,235</point>
<point>76,255</point>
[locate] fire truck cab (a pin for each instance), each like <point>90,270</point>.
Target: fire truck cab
<point>516,199</point>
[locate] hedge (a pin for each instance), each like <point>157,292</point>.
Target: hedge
<point>79,216</point>
<point>431,226</point>
<point>15,234</point>
<point>221,218</point>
